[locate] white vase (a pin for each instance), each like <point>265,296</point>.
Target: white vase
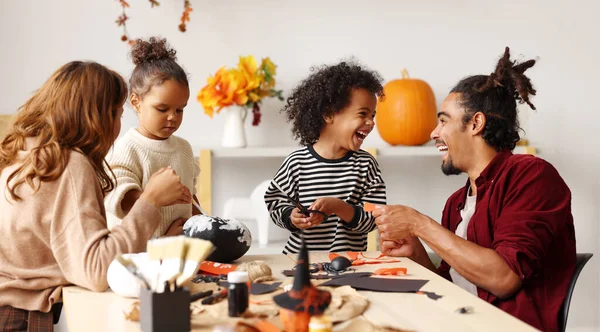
<point>234,134</point>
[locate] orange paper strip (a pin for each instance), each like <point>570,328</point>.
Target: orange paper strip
<point>369,207</point>
<point>391,271</point>
<point>216,268</point>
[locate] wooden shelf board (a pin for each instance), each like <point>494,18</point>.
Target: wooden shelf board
<point>391,151</point>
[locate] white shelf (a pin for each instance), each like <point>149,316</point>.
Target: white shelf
<point>253,152</point>
<point>282,152</point>
<point>400,151</point>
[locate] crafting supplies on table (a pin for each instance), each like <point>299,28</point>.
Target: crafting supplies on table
<point>164,303</point>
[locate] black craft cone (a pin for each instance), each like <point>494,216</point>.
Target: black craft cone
<point>302,275</point>
<point>303,297</point>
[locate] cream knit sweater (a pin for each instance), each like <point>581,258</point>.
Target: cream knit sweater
<point>135,158</point>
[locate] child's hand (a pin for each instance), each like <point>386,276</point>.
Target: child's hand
<point>327,205</point>
<point>299,220</point>
<point>176,227</point>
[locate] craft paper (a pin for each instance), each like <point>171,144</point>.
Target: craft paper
<point>379,284</point>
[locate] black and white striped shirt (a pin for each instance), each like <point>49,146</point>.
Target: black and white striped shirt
<point>306,176</point>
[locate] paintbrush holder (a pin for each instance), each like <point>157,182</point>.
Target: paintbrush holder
<point>169,311</point>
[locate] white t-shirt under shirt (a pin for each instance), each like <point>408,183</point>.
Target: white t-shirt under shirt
<point>461,230</point>
<point>134,158</point>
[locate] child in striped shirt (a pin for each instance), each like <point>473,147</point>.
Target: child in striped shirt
<point>332,112</point>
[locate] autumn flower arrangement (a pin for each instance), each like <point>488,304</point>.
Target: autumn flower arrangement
<point>245,85</point>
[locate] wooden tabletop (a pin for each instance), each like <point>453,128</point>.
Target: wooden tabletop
<point>89,311</point>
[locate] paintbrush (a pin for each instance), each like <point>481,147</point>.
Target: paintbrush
<point>170,251</point>
<point>197,206</point>
<point>195,253</point>
<point>133,269</point>
<point>154,250</point>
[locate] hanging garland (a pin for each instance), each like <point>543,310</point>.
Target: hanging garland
<point>185,17</point>
<point>122,19</point>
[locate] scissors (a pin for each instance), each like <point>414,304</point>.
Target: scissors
<point>300,207</point>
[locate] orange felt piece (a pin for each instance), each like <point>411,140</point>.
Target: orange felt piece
<point>369,207</point>
<point>394,271</point>
<point>384,261</point>
<point>378,257</point>
<point>353,255</point>
<point>216,268</point>
<point>333,255</point>
<point>358,262</point>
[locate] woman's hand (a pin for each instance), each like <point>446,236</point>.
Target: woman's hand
<point>165,188</point>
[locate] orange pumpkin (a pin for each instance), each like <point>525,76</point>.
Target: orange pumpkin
<point>407,115</point>
<point>293,321</point>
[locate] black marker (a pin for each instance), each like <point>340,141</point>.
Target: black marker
<point>215,297</point>
<point>200,295</point>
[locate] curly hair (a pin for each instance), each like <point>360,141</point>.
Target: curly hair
<point>155,62</point>
<point>325,92</point>
<point>496,96</point>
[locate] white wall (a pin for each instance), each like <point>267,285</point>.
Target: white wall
<point>439,41</point>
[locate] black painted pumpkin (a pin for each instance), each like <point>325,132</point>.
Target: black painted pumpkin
<point>231,238</point>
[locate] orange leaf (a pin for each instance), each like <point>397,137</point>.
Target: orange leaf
<point>333,255</point>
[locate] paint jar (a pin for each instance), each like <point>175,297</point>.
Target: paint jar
<point>320,324</point>
<point>238,293</point>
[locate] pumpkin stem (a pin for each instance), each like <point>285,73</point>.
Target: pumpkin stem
<point>405,73</point>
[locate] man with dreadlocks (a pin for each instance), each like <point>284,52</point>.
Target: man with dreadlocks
<point>507,236</point>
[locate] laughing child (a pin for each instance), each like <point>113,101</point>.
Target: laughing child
<point>332,112</point>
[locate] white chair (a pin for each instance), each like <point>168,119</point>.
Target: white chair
<point>253,212</point>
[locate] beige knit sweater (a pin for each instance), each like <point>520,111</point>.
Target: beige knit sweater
<point>58,236</point>
<point>135,158</point>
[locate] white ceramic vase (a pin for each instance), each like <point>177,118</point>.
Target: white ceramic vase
<point>234,133</point>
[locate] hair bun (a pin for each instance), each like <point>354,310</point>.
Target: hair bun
<point>510,75</point>
<point>153,49</point>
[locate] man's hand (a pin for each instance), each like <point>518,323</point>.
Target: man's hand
<point>397,222</point>
<point>398,248</point>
